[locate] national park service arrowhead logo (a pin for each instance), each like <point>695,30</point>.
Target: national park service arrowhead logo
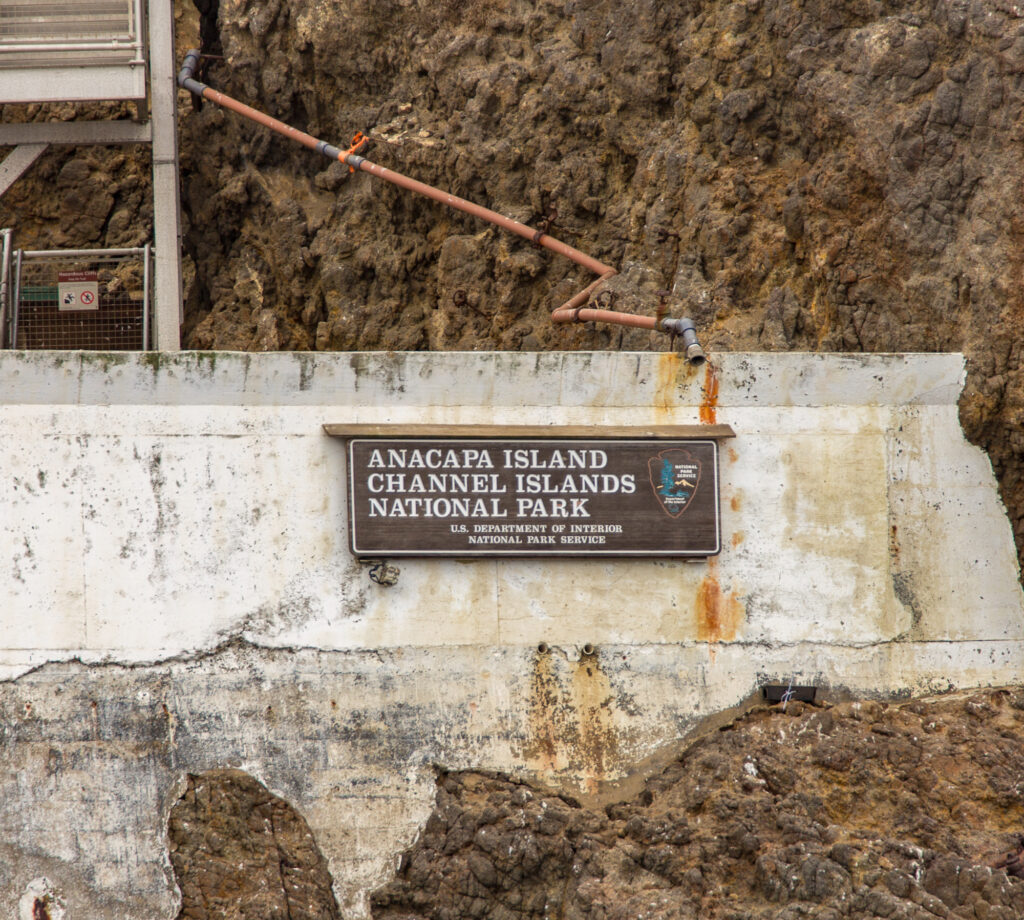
<point>675,475</point>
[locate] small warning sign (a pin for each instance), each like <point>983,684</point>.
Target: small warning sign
<point>78,290</point>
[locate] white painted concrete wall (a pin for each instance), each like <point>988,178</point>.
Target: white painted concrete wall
<point>173,534</point>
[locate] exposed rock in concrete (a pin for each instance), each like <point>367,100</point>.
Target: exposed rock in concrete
<point>856,810</point>
<point>96,757</point>
<point>241,852</point>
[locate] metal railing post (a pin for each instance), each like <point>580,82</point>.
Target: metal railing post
<point>139,32</point>
<point>168,314</point>
<point>146,296</point>
<point>5,273</point>
<point>17,299</point>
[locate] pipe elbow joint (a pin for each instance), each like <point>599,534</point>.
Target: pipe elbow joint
<point>687,331</point>
<point>188,67</point>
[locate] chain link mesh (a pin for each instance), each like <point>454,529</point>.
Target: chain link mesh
<point>117,324</point>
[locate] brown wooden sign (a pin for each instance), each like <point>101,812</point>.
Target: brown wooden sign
<point>533,497</point>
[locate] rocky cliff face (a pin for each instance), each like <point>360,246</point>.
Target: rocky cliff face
<point>859,810</point>
<point>798,175</point>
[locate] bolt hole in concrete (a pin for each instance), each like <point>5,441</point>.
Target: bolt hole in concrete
<point>542,648</point>
<point>588,649</point>
<point>239,851</point>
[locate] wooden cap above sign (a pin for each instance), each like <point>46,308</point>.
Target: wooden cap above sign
<point>711,432</point>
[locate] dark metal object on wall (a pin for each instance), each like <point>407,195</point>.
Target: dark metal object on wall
<point>785,693</point>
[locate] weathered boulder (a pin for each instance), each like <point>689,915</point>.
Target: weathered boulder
<point>241,852</point>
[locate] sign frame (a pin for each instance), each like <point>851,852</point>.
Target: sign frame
<point>653,440</point>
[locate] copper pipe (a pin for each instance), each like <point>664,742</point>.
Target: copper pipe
<point>582,315</point>
<point>562,314</point>
<point>570,312</point>
<point>507,223</point>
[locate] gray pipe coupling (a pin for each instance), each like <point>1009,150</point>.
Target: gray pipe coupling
<point>686,330</point>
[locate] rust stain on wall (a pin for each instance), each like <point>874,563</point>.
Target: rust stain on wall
<point>546,707</point>
<point>737,538</point>
<point>594,701</point>
<point>719,613</point>
<point>571,714</point>
<point>709,401</point>
<point>672,373</point>
<point>668,371</point>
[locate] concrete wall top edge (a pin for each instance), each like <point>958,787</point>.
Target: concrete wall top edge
<point>660,380</point>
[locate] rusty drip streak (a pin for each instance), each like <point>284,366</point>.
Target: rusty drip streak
<point>569,312</point>
<point>709,404</point>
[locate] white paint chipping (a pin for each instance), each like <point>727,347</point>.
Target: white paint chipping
<point>39,898</point>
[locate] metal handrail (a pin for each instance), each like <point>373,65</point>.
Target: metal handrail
<point>114,44</point>
<point>116,39</point>
<point>97,254</point>
<point>17,299</point>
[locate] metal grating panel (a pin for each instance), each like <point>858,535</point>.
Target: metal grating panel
<point>120,323</point>
<point>62,50</point>
<point>59,33</point>
<point>85,20</point>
